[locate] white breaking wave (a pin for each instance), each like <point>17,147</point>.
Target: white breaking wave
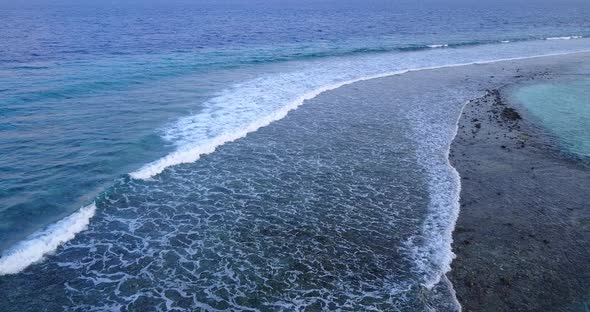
<point>564,38</point>
<point>46,241</point>
<point>434,46</point>
<point>445,188</point>
<point>192,152</point>
<point>505,41</point>
<point>246,107</point>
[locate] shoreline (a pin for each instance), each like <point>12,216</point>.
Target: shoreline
<point>181,156</point>
<point>519,236</point>
<point>433,108</point>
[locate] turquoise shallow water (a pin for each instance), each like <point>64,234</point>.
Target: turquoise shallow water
<point>563,107</point>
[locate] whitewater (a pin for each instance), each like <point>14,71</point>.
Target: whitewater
<point>245,107</point>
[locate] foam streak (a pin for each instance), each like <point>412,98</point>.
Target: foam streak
<point>191,152</point>
<point>564,38</point>
<point>46,241</point>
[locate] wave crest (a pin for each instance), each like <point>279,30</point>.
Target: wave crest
<point>564,38</point>
<point>46,241</point>
<point>434,46</point>
<point>251,105</point>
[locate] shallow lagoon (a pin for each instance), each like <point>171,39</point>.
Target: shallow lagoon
<point>563,107</point>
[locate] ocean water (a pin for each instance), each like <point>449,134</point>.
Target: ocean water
<point>563,107</point>
<point>155,154</point>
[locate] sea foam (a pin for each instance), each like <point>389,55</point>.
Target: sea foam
<point>434,258</point>
<point>564,38</point>
<point>192,152</point>
<point>245,107</point>
<point>434,46</point>
<point>46,241</point>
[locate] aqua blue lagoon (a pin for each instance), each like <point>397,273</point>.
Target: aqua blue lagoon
<point>563,107</point>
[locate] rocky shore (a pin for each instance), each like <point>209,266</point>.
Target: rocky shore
<point>522,239</point>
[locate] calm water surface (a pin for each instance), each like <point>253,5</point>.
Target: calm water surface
<point>564,108</point>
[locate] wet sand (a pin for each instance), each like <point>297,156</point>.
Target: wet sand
<point>522,239</point>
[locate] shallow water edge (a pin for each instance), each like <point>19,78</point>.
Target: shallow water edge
<point>519,237</point>
<point>429,246</point>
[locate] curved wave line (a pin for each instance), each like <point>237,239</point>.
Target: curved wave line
<point>41,243</point>
<point>192,152</point>
<point>46,241</point>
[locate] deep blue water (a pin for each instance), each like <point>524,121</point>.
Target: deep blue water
<point>102,102</point>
